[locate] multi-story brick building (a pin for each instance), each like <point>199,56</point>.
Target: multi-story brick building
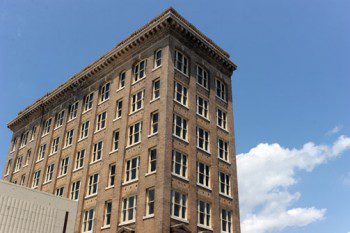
<point>142,138</point>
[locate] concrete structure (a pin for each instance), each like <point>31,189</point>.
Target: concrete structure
<point>143,137</point>
<point>31,211</point>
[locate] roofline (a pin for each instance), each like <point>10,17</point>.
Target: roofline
<point>168,16</point>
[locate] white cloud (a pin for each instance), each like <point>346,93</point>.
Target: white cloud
<point>335,130</point>
<point>265,175</point>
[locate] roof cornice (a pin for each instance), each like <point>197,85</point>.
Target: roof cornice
<point>169,17</point>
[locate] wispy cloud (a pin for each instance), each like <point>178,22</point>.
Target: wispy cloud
<point>265,175</point>
<point>335,130</point>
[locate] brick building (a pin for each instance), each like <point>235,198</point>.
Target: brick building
<point>142,138</point>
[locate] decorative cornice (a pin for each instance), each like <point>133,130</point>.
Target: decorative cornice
<point>170,17</point>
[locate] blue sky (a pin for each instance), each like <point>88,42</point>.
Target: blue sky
<point>291,86</point>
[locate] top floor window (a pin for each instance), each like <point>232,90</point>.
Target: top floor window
<point>157,58</point>
<point>88,101</point>
<point>181,62</point>
<point>139,71</point>
<point>24,139</point>
<point>104,90</point>
<point>32,133</point>
<point>14,142</point>
<point>47,126</point>
<point>202,77</point>
<point>221,90</point>
<point>59,119</point>
<point>73,111</point>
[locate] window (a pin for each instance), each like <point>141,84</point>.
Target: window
<point>155,89</point>
<point>137,101</point>
<point>225,185</point>
<point>107,214</point>
<point>180,127</point>
<point>14,142</point>
<point>154,122</point>
<point>54,145</point>
<point>119,108</point>
<point>157,58</point>
<point>69,138</point>
<point>104,90</point>
<point>88,220</point>
<point>29,153</point>
<point>88,101</point>
<point>139,71</point>
<point>93,185</point>
<point>73,111</point>
<point>84,130</point>
<point>181,62</point>
<point>152,160</point>
<point>202,107</point>
<point>203,139</point>
<point>60,191</point>
<point>32,134</point>
<point>47,126</point>
<point>203,175</point>
<point>23,179</point>
<point>221,90</point>
<point>135,133</point>
<point>202,77</point>
<point>97,152</point>
<point>178,205</point>
<point>223,150</point>
<point>132,169</point>
<point>18,163</point>
<point>59,119</point>
<point>36,179</point>
<point>24,138</point>
<point>204,212</point>
<point>150,202</point>
<point>49,173</point>
<point>180,93</point>
<point>111,175</point>
<point>8,168</point>
<point>179,164</point>
<point>64,166</point>
<point>129,209</point>
<point>122,76</point>
<point>115,142</point>
<point>226,221</point>
<point>79,160</point>
<point>74,192</point>
<point>41,153</point>
<point>101,121</point>
<point>221,119</point>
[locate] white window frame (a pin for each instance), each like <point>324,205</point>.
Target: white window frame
<point>202,107</point>
<point>88,102</point>
<point>107,214</point>
<point>59,119</point>
<point>14,142</point>
<point>156,89</point>
<point>75,189</point>
<point>202,77</point>
<point>223,150</point>
<point>73,111</point>
<point>180,94</point>
<point>224,184</point>
<point>225,220</point>
<point>92,187</point>
<point>121,81</point>
<point>111,175</point>
<point>60,191</point>
<point>130,170</point>
<point>105,92</point>
<point>203,175</point>
<point>137,101</point>
<point>204,209</point>
<point>101,121</point>
<point>221,89</point>
<point>132,134</point>
<point>97,152</point>
<point>8,168</point>
<point>221,118</point>
<point>119,109</point>
<point>127,207</point>
<point>24,139</point>
<point>28,155</point>
<point>180,204</point>
<point>36,179</point>
<point>203,139</point>
<point>18,163</point>
<point>69,138</point>
<point>47,126</point>
<point>49,172</point>
<point>64,166</point>
<point>41,152</point>
<point>181,62</point>
<point>32,134</point>
<point>79,159</point>
<point>139,71</point>
<point>152,160</point>
<point>150,201</point>
<point>154,123</point>
<point>54,145</point>
<point>84,130</point>
<point>182,128</point>
<point>88,221</point>
<point>158,58</point>
<point>179,161</point>
<point>115,140</point>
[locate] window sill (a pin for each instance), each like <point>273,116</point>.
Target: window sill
<point>101,102</point>
<point>224,161</point>
<point>75,170</point>
<point>12,151</point>
<point>184,140</point>
<point>86,111</point>
<point>109,187</point>
<point>105,227</point>
<point>61,176</point>
<point>135,144</point>
<point>97,131</point>
<point>15,172</point>
<point>203,150</point>
<point>223,129</point>
<point>72,119</point>
<point>51,154</point>
<point>181,72</point>
<point>204,187</point>
<point>226,196</point>
<point>180,219</point>
<point>205,227</point>
<point>119,89</point>
<point>39,160</point>
<point>148,216</point>
<point>221,99</point>
<point>135,82</point>
<point>26,165</point>
<point>96,161</point>
<point>130,182</point>
<point>66,147</point>
<point>150,173</point>
<point>47,182</point>
<point>22,147</point>
<point>132,113</point>
<point>44,135</point>
<point>81,139</point>
<point>113,151</point>
<point>90,196</point>
<point>202,86</point>
<point>154,100</point>
<point>156,68</point>
<point>180,177</point>
<point>56,128</point>
<point>153,134</point>
<point>181,104</point>
<point>115,119</point>
<point>126,223</point>
<point>204,118</point>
